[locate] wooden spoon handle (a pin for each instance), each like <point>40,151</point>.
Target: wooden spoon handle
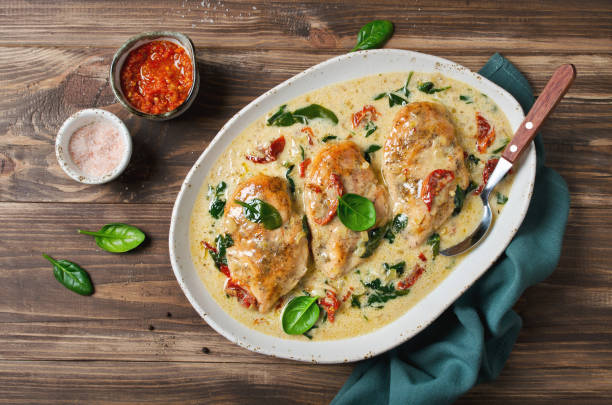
<point>554,91</point>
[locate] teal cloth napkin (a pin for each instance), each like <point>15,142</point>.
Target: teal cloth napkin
<point>472,340</point>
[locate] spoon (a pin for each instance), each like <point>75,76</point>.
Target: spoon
<point>554,91</point>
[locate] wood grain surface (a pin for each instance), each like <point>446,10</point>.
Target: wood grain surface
<point>137,339</point>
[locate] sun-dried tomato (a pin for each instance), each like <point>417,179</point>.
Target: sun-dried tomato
<point>486,173</point>
<point>411,279</point>
<point>330,304</point>
<point>270,154</point>
<point>486,134</point>
<point>333,205</point>
<point>357,117</point>
<point>243,296</point>
<point>433,184</point>
<point>422,257</point>
<point>309,133</point>
<point>303,166</point>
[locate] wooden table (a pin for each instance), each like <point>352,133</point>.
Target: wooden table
<point>138,339</point>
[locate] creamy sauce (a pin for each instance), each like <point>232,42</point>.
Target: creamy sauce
<point>344,99</point>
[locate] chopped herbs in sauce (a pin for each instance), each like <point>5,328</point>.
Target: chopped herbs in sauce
<point>375,236</point>
<point>467,99</point>
<point>434,242</point>
<point>217,203</point>
<point>429,88</point>
<point>218,253</point>
<point>355,301</point>
<point>328,138</point>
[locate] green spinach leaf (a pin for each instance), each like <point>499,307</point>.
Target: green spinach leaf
<point>501,199</point>
<point>396,97</point>
<point>370,128</point>
<point>371,149</point>
<point>501,148</point>
<point>467,99</point>
<point>289,179</point>
<point>373,35</point>
<point>261,212</point>
<point>434,242</point>
<point>300,315</point>
<point>375,236</point>
<point>222,243</point>
<point>117,237</point>
<point>355,301</point>
<point>306,227</point>
<point>71,275</point>
<point>399,223</point>
<point>398,267</point>
<point>380,293</point>
<point>472,161</point>
<point>461,194</point>
<point>284,118</point>
<point>429,88</point>
<point>328,138</point>
<point>217,204</point>
<point>356,212</point>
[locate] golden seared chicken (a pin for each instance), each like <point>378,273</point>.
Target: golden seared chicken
<point>266,263</point>
<point>338,169</point>
<point>422,166</point>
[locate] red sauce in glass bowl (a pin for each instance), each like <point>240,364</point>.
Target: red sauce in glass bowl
<point>157,77</point>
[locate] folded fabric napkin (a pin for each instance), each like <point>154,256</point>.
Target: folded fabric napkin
<point>472,340</point>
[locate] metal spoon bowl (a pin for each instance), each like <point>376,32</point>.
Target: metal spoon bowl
<point>554,91</point>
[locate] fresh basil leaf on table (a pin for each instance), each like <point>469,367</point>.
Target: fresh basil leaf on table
<point>71,276</point>
<point>356,212</point>
<point>117,237</point>
<point>261,212</point>
<point>300,315</point>
<point>373,35</point>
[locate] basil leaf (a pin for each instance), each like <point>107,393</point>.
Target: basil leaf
<point>217,204</point>
<point>261,212</point>
<point>434,242</point>
<point>373,35</point>
<point>506,142</point>
<point>381,95</point>
<point>380,293</point>
<point>398,267</point>
<point>405,88</point>
<point>355,301</point>
<point>327,138</point>
<point>370,128</point>
<point>289,179</point>
<point>117,237</point>
<point>467,99</point>
<point>71,276</point>
<point>501,199</point>
<point>461,194</point>
<point>375,236</point>
<point>316,111</point>
<point>357,213</point>
<point>302,153</point>
<point>429,88</point>
<point>371,149</point>
<point>300,315</point>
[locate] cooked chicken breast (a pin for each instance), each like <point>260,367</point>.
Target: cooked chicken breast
<point>338,169</point>
<point>266,263</point>
<point>422,166</point>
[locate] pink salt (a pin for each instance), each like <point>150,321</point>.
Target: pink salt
<point>96,149</point>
